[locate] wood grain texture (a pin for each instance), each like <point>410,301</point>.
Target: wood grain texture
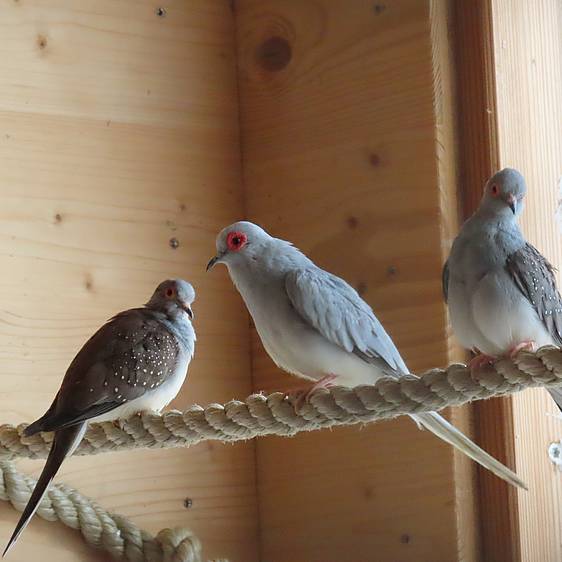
<point>478,160</point>
<point>528,76</point>
<point>447,158</point>
<point>476,93</point>
<point>119,132</point>
<point>340,122</point>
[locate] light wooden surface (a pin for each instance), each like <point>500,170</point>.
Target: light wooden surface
<point>341,116</point>
<point>528,65</point>
<point>119,131</point>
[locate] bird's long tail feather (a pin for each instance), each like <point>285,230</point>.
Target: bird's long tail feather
<point>450,434</point>
<point>556,394</point>
<point>64,443</point>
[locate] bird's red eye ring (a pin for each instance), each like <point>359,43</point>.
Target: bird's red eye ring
<point>236,241</point>
<point>495,190</point>
<point>169,292</point>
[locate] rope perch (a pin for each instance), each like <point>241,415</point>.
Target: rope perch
<point>115,534</point>
<point>259,415</point>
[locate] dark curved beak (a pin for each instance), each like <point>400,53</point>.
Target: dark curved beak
<point>213,261</point>
<point>512,203</point>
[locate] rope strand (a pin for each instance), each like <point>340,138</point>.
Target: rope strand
<point>260,415</point>
<point>115,534</point>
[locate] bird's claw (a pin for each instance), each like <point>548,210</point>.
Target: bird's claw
<point>119,424</point>
<point>301,396</point>
<point>527,345</point>
<point>479,361</point>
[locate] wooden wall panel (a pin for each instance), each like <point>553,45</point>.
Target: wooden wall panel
<point>348,151</point>
<point>527,38</point>
<point>119,131</point>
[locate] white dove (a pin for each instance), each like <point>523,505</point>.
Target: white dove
<point>314,325</point>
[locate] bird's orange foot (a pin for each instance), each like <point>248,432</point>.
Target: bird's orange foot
<point>301,396</point>
<point>527,345</point>
<point>479,361</point>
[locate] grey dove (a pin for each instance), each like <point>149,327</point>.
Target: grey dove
<point>137,361</point>
<point>500,290</point>
<point>314,325</point>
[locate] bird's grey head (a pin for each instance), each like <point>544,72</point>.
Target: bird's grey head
<point>238,243</point>
<point>504,193</point>
<point>173,297</point>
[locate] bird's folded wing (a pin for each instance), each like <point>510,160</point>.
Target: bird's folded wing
<point>131,354</point>
<point>534,277</point>
<point>337,312</point>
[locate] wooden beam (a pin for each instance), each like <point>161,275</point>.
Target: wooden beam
<point>479,159</point>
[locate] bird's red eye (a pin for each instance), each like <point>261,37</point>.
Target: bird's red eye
<point>169,292</point>
<point>236,241</point>
<point>495,190</point>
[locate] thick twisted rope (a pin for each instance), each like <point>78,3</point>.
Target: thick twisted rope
<point>258,415</point>
<point>115,534</point>
<point>262,415</point>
